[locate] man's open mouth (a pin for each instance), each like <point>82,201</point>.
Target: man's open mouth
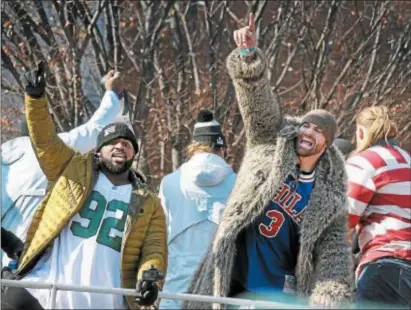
<point>120,156</point>
<point>306,143</point>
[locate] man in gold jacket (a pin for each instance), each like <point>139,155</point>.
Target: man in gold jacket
<point>98,225</point>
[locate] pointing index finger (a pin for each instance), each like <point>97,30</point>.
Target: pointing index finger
<point>251,22</point>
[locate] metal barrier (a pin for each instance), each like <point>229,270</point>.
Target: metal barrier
<point>54,287</point>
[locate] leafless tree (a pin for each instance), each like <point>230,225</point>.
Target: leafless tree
<point>337,55</point>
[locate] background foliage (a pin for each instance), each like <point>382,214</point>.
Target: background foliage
<point>337,55</point>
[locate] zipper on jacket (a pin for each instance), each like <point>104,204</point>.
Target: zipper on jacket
<point>127,231</point>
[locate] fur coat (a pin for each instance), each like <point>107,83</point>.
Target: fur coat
<point>324,264</point>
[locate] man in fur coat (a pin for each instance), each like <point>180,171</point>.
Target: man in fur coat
<point>285,225</point>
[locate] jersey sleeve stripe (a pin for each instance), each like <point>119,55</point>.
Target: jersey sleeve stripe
<point>402,201</point>
<point>397,155</point>
<point>399,188</point>
<point>378,218</point>
<point>356,207</point>
<point>392,176</point>
<point>360,192</point>
<point>361,177</point>
<point>360,161</point>
<point>388,209</point>
<point>390,234</point>
<point>375,159</point>
<point>388,154</point>
<point>404,154</point>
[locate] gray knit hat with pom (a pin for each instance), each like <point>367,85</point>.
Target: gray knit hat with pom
<point>208,130</point>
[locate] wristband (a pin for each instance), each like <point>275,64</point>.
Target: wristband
<point>246,51</point>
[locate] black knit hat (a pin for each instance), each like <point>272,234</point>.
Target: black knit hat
<point>115,131</point>
<point>208,130</point>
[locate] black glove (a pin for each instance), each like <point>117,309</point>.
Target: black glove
<point>148,291</point>
<point>33,81</point>
<point>11,245</point>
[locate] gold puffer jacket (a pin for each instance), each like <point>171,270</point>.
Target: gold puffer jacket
<point>71,179</point>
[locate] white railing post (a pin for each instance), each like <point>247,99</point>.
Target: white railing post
<point>53,295</point>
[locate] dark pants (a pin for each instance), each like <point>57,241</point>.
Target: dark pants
<point>15,298</point>
<point>385,282</point>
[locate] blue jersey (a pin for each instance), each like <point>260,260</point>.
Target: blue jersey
<point>272,243</point>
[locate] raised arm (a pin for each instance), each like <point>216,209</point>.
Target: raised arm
<point>259,107</point>
<point>53,155</point>
<point>83,138</point>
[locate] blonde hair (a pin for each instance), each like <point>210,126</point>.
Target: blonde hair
<point>198,147</point>
<point>379,125</point>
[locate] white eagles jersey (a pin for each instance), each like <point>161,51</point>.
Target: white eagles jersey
<point>87,251</point>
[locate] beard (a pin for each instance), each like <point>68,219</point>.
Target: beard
<point>116,168</point>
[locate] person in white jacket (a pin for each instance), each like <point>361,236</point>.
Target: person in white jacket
<point>23,184</point>
<point>193,198</point>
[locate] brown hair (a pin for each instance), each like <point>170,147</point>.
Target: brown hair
<point>198,147</point>
<point>379,125</point>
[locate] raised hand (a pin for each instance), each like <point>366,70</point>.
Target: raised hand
<point>245,37</point>
<point>113,81</point>
<point>34,82</point>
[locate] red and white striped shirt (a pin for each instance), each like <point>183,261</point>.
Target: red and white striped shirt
<point>379,199</point>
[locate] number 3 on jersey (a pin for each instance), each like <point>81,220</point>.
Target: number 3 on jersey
<point>93,211</point>
<point>277,220</point>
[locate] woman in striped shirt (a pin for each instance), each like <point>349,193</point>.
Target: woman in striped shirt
<point>379,196</point>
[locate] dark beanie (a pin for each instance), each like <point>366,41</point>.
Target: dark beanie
<point>115,131</point>
<point>325,120</point>
<point>208,130</point>
<point>345,146</point>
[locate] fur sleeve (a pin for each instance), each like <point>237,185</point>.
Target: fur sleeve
<point>334,277</point>
<point>259,107</point>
